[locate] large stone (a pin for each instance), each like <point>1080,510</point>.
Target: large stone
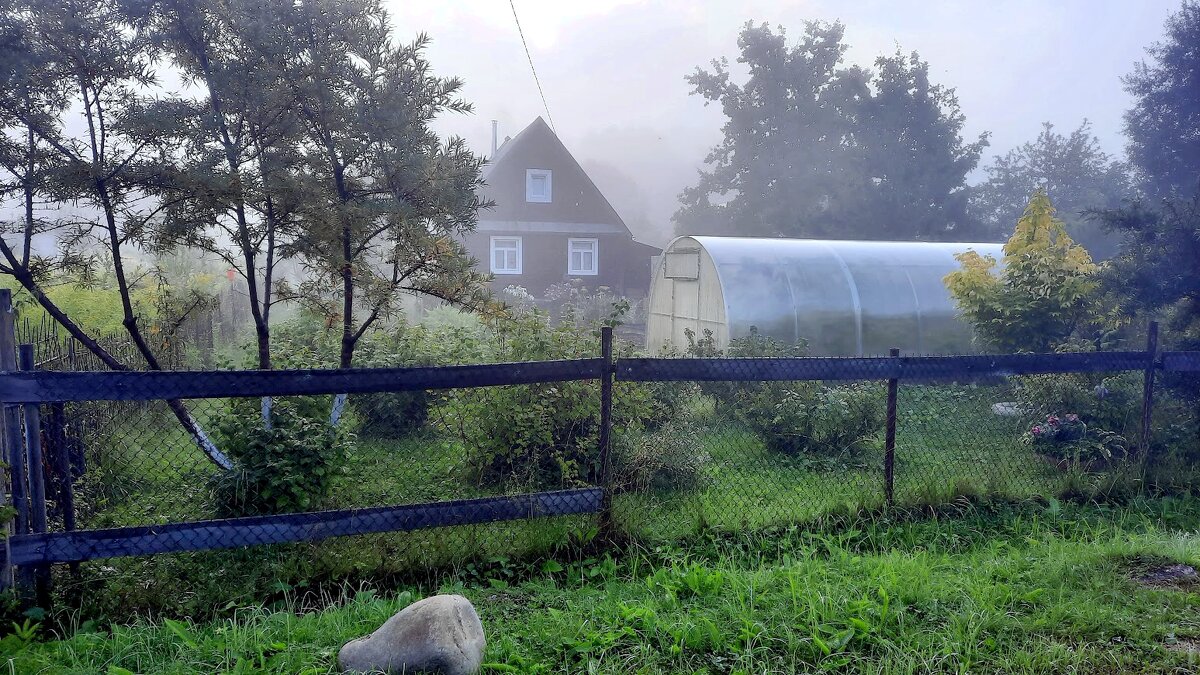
<point>441,634</point>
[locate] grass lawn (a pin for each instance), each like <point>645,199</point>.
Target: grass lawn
<point>973,587</point>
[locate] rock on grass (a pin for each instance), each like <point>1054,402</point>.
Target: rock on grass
<point>441,634</point>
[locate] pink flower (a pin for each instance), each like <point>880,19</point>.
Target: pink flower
<point>1072,418</point>
<point>1036,430</point>
<point>1052,420</point>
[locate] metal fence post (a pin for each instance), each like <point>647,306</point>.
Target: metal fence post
<point>889,443</point>
<point>11,438</point>
<point>606,390</point>
<point>1148,389</point>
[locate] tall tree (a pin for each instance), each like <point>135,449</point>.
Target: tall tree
<point>1074,172</point>
<point>1164,146</point>
<point>88,63</point>
<point>913,156</point>
<point>1157,273</point>
<point>239,156</point>
<point>387,198</point>
<point>816,148</point>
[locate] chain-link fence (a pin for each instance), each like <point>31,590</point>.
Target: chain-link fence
<point>423,466</point>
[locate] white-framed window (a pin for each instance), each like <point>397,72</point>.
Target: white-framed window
<point>506,255</point>
<point>538,185</point>
<point>583,256</point>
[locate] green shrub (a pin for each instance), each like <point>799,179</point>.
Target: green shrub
<point>540,435</point>
<point>1108,402</point>
<point>282,468</point>
<point>306,342</point>
<point>670,457</point>
<point>813,418</point>
<point>755,345</point>
<point>1069,440</point>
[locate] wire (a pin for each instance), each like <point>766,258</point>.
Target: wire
<point>532,69</point>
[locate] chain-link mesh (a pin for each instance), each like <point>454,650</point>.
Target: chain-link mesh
<point>430,477</point>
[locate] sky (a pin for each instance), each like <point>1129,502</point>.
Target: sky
<point>613,72</point>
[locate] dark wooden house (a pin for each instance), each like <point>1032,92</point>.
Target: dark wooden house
<point>550,223</point>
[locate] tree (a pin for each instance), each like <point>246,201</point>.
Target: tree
<point>1041,296</point>
<point>1073,171</point>
<point>915,162</point>
<point>386,197</point>
<point>1164,147</point>
<point>815,148</point>
<point>1157,273</point>
<point>87,62</point>
<point>239,160</point>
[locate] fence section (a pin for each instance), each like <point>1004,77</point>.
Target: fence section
<point>103,468</point>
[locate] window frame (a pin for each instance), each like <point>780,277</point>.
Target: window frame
<point>519,248</point>
<point>529,196</point>
<point>595,256</point>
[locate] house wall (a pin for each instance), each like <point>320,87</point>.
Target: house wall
<point>544,262</point>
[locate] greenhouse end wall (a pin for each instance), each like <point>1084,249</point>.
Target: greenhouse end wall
<point>844,298</point>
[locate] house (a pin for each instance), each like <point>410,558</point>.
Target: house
<point>550,223</point>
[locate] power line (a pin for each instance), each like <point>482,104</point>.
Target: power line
<point>531,68</point>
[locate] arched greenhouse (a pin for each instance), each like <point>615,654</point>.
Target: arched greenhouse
<point>845,298</point>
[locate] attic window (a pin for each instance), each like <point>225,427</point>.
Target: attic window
<point>538,186</point>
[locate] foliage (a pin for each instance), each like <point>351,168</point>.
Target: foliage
<point>907,591</point>
<point>814,419</point>
<point>1069,439</point>
<point>1111,402</point>
<point>301,132</point>
<point>815,148</point>
<point>543,434</point>
<point>1074,172</point>
<point>670,457</point>
<point>1161,126</point>
<point>792,418</point>
<point>1157,274</point>
<point>1157,277</point>
<point>280,467</point>
<point>391,199</point>
<point>1041,296</point>
<point>751,345</point>
<point>574,302</point>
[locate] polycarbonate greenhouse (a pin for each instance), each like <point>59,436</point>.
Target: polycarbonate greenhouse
<point>845,298</point>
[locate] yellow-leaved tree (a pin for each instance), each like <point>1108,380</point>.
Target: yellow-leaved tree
<point>1039,297</point>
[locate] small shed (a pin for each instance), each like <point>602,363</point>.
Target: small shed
<point>845,298</point>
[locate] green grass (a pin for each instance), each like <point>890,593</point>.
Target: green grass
<point>949,444</point>
<point>976,587</point>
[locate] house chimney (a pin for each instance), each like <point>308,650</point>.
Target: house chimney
<point>493,138</point>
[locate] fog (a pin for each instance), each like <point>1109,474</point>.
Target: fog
<point>613,73</point>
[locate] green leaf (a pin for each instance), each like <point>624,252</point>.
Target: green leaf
<point>181,631</point>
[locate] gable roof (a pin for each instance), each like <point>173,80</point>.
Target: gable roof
<point>575,198</point>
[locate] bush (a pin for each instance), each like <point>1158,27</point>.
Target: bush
<point>1111,403</point>
<point>284,468</point>
<point>1069,440</point>
<point>670,457</point>
<point>1040,296</point>
<point>793,417</point>
<point>541,435</point>
<point>306,342</point>
<point>814,418</point>
<point>755,345</point>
